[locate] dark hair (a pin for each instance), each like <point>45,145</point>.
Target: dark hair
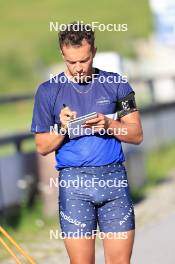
<point>74,34</point>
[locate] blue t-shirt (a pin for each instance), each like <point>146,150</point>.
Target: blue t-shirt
<point>101,97</point>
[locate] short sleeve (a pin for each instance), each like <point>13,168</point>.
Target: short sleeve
<point>123,90</point>
<point>42,118</point>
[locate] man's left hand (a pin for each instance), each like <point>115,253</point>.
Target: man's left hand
<point>98,123</point>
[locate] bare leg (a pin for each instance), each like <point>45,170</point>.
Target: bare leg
<point>80,250</point>
<point>118,251</point>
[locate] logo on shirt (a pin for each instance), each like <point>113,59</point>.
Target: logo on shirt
<point>102,101</point>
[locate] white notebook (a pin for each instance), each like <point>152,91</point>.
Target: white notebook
<point>75,128</point>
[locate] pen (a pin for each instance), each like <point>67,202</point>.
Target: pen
<point>71,117</point>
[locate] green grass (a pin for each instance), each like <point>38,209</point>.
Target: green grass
<point>15,117</point>
<point>9,149</point>
<point>32,227</point>
<point>27,45</point>
<point>159,163</point>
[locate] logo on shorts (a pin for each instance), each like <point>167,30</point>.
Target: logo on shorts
<point>73,221</point>
<point>126,216</point>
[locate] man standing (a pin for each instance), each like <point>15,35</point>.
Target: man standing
<point>97,157</point>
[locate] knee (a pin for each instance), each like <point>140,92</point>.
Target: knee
<point>85,262</point>
<point>121,260</point>
<point>80,261</point>
<point>117,262</point>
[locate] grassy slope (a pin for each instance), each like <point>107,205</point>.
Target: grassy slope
<point>27,45</point>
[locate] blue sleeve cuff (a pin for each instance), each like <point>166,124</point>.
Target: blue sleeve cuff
<point>39,129</point>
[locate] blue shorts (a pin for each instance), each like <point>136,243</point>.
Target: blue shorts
<point>95,195</point>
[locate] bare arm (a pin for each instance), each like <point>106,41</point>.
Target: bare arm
<point>49,142</point>
<point>130,123</point>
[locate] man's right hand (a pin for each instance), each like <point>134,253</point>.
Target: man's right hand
<point>66,115</point>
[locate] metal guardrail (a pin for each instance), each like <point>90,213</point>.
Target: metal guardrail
<point>15,98</point>
<point>149,81</point>
<point>15,139</point>
<point>146,111</point>
<point>155,108</point>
